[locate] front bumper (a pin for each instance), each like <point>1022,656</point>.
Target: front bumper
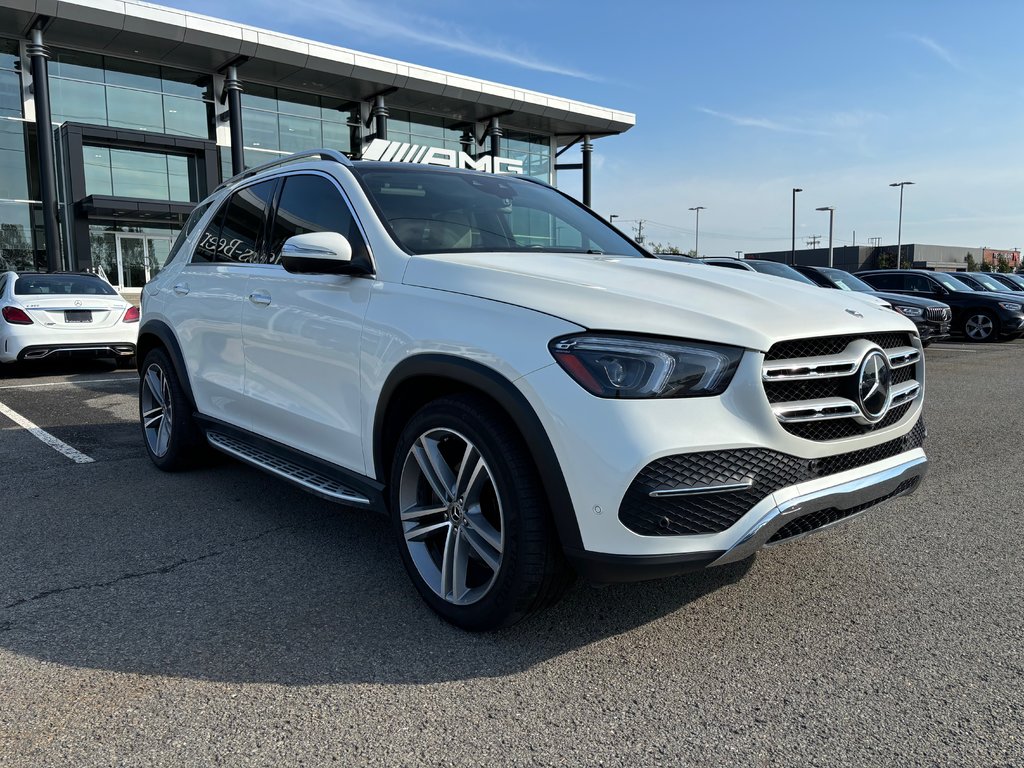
<point>787,515</point>
<point>933,331</point>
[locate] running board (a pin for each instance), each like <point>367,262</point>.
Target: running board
<point>314,482</point>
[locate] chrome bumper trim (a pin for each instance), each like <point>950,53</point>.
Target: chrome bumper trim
<point>846,495</point>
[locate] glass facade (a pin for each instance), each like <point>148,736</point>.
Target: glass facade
<point>129,256</point>
<point>278,122</point>
<point>101,90</point>
<point>133,173</point>
<point>532,148</point>
<point>18,236</point>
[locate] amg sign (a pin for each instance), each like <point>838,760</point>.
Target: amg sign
<point>399,152</point>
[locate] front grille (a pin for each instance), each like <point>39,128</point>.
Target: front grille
<point>824,517</point>
<point>805,385</point>
<point>939,314</point>
<point>832,345</point>
<point>766,470</point>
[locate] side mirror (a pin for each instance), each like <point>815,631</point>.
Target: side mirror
<point>318,253</point>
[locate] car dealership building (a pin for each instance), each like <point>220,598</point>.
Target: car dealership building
<point>116,117</point>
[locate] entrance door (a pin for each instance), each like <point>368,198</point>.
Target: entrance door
<point>139,258</point>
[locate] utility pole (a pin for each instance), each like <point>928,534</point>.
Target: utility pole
<point>875,241</point>
<point>739,254</point>
<point>812,241</point>
<point>639,229</point>
<point>899,231</point>
<point>696,231</point>
<point>792,253</point>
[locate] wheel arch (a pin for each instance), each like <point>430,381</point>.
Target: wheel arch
<point>156,334</point>
<point>422,378</point>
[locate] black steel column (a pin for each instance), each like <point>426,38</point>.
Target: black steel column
<point>588,151</point>
<point>44,132</point>
<point>380,117</point>
<point>494,132</point>
<point>234,90</point>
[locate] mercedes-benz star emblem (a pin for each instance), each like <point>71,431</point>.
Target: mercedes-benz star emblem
<point>78,302</point>
<point>854,312</point>
<point>874,384</point>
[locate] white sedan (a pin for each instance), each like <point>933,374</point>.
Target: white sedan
<point>45,315</point>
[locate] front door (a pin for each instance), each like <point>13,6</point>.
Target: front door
<point>139,257</point>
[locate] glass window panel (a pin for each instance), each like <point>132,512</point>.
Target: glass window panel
<point>139,174</point>
<point>16,251</point>
<point>398,121</point>
<point>103,252</point>
<point>134,109</point>
<point>191,84</point>
<point>209,242</point>
<point>243,223</point>
<point>9,54</point>
<point>253,158</point>
<point>97,171</point>
<point>158,250</point>
<point>259,129</point>
<point>297,103</point>
<point>186,117</point>
<point>299,133</point>
<point>178,178</point>
<point>13,170</point>
<point>81,66</point>
<point>133,261</point>
<point>337,136</point>
<point>135,74</point>
<point>312,204</point>
<point>77,102</point>
<point>259,97</point>
<point>332,115</point>
<point>10,94</point>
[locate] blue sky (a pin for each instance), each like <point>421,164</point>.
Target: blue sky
<point>739,102</point>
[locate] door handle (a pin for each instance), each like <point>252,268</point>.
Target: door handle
<point>181,289</point>
<point>262,298</point>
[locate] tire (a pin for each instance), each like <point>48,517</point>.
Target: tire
<point>981,326</point>
<point>172,438</point>
<point>478,544</point>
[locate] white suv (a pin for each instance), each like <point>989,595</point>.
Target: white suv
<point>525,391</point>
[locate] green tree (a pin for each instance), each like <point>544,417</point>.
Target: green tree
<point>986,267</point>
<point>1003,264</point>
<point>972,265</point>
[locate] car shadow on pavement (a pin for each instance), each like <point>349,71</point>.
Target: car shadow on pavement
<point>232,575</point>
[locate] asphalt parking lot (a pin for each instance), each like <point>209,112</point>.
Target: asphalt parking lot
<point>223,617</point>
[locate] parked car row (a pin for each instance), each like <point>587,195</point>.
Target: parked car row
<point>979,306</point>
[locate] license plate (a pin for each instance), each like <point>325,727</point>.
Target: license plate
<point>78,316</point>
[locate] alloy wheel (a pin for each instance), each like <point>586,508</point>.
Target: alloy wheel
<point>156,409</point>
<point>451,516</point>
<point>979,327</point>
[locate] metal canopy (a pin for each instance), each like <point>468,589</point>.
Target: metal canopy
<point>182,39</point>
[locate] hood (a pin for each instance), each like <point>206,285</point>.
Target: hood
<point>909,301</point>
<point>652,296</point>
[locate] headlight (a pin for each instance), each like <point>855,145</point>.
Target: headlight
<point>636,367</point>
<point>1010,306</point>
<point>909,311</point>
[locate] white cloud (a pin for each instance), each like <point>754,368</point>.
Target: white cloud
<point>396,22</point>
<point>937,49</point>
<point>761,122</point>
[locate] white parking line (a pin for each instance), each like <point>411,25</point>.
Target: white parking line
<point>58,445</point>
<point>68,383</point>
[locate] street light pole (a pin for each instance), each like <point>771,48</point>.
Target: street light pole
<point>792,253</point>
<point>831,217</point>
<point>696,231</point>
<point>612,217</point>
<point>899,229</point>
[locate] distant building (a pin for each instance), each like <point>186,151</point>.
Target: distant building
<point>940,258</point>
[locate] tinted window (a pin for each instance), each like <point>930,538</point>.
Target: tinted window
<point>886,282</point>
<point>951,283</point>
<point>235,237</point>
<point>190,224</point>
<point>728,265</point>
<point>779,270</point>
<point>62,285</point>
<point>313,204</point>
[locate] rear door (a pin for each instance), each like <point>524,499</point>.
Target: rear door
<point>302,332</point>
<point>205,300</point>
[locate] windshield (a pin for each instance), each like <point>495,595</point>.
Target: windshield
<point>950,283</point>
<point>991,283</point>
<point>844,280</point>
<point>453,212</point>
<point>62,285</point>
<point>779,270</point>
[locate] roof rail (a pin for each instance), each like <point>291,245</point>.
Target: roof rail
<point>318,154</point>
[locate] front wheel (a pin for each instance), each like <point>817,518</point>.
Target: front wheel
<point>981,326</point>
<point>471,516</point>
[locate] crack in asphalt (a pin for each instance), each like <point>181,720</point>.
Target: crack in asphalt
<point>169,568</point>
